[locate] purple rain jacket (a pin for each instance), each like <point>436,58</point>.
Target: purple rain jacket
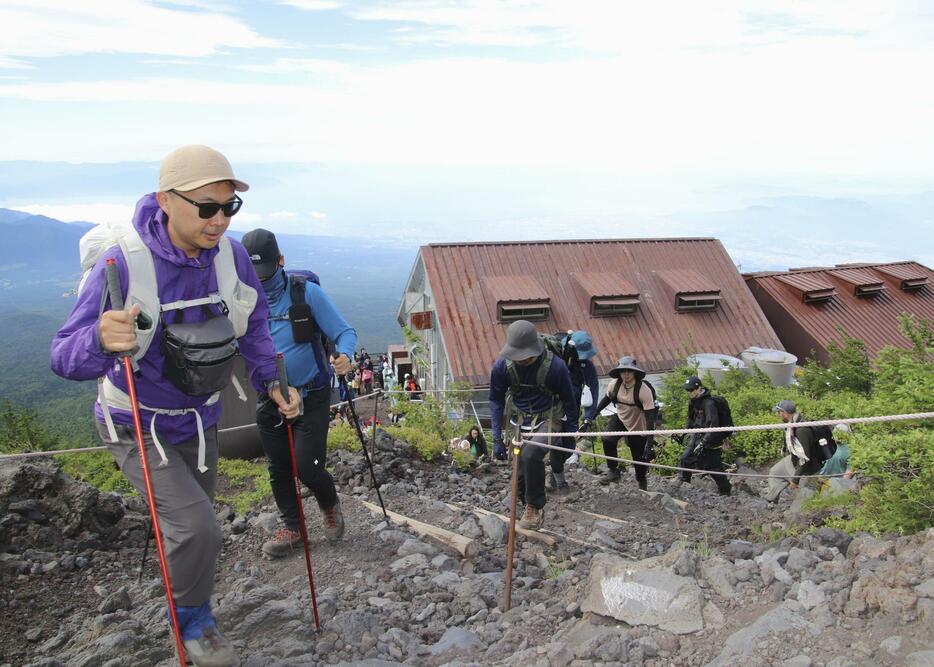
<point>77,354</point>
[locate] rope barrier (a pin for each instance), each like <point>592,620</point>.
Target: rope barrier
<point>676,468</point>
<point>748,427</point>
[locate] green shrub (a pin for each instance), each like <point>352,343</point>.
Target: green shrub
<point>343,436</point>
<point>248,482</point>
<point>428,445</point>
<point>97,469</point>
<point>462,459</point>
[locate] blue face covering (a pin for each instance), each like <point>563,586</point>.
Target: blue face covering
<point>274,285</point>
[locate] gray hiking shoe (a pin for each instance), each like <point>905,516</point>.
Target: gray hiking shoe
<point>532,518</point>
<point>611,475</point>
<point>211,649</point>
<point>550,482</point>
<point>284,543</point>
<point>334,522</point>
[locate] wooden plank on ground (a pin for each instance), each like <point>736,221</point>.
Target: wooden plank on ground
<point>465,546</point>
<point>535,535</point>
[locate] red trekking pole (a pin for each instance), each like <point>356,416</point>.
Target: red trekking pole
<point>116,303</point>
<point>284,392</point>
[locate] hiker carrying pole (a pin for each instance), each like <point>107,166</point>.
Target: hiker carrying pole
<point>303,322</point>
<point>116,302</point>
<point>193,303</point>
<point>284,382</point>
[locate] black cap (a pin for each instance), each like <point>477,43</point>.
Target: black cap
<point>692,383</point>
<point>263,250</point>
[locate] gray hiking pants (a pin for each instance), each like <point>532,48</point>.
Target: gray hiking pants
<point>185,502</point>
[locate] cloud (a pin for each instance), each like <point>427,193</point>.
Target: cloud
<point>45,28</point>
<point>318,215</point>
<point>312,5</point>
<point>283,215</point>
<point>294,65</point>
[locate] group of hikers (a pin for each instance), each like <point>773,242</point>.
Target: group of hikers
<point>167,303</point>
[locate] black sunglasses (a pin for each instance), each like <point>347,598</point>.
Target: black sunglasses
<point>207,210</point>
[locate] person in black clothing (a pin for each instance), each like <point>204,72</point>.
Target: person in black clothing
<point>531,388</point>
<point>702,450</point>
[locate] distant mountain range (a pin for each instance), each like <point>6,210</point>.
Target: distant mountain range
<point>365,278</point>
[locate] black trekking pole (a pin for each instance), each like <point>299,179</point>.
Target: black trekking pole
<point>366,454</point>
<point>116,303</point>
<point>142,563</point>
<point>303,529</point>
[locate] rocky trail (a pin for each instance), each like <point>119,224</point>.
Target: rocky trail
<point>674,576</point>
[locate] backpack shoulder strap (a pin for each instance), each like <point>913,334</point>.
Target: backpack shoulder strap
<point>297,288</point>
<point>240,298</point>
<point>542,376</point>
<point>513,374</point>
<point>142,286</point>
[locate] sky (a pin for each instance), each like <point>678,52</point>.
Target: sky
<point>439,120</point>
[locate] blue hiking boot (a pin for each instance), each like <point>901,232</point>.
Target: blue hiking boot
<point>204,645</point>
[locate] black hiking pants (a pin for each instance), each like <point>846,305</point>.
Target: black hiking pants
<point>636,448</point>
<point>311,443</point>
<point>708,459</point>
<point>531,482</point>
<point>556,459</point>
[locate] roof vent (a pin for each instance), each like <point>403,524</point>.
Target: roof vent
<point>690,290</point>
<point>609,294</point>
<point>813,287</point>
<point>518,298</point>
<point>864,282</point>
<point>909,277</point>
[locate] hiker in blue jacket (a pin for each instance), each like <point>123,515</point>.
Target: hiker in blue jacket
<point>531,387</point>
<point>178,235</point>
<point>578,351</point>
<point>308,370</point>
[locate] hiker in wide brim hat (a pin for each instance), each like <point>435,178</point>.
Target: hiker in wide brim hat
<point>627,364</point>
<point>522,341</point>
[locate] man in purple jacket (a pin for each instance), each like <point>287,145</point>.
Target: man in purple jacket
<point>182,226</point>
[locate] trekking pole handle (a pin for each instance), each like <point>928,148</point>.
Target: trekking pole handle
<point>112,276</point>
<point>283,378</point>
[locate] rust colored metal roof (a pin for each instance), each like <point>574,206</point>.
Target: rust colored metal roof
<point>605,285</point>
<point>657,335</point>
<point>874,319</point>
<point>515,288</point>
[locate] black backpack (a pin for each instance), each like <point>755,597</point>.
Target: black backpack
<point>824,442</point>
<point>635,394</point>
<point>304,327</point>
<point>724,415</point>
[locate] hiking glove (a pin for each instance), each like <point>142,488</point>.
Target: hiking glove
<point>586,424</point>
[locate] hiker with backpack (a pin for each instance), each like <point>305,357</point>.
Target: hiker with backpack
<point>302,319</point>
<point>805,448</point>
<point>193,303</point>
<point>577,350</point>
<point>634,398</point>
<point>530,386</point>
<point>703,451</point>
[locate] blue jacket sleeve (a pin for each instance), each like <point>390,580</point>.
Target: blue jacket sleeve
<point>76,352</point>
<point>330,321</point>
<point>559,382</point>
<point>498,386</point>
<point>590,377</point>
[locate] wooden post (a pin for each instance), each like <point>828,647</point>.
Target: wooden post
<point>511,543</point>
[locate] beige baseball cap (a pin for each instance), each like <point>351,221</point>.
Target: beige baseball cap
<point>192,167</point>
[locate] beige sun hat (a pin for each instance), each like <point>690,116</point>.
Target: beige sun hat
<point>194,166</point>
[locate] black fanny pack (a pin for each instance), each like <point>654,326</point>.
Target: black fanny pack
<point>199,356</point>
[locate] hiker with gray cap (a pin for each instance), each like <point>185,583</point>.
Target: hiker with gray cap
<point>193,303</point>
<point>635,411</point>
<point>801,451</point>
<point>703,451</point>
<point>531,387</point>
